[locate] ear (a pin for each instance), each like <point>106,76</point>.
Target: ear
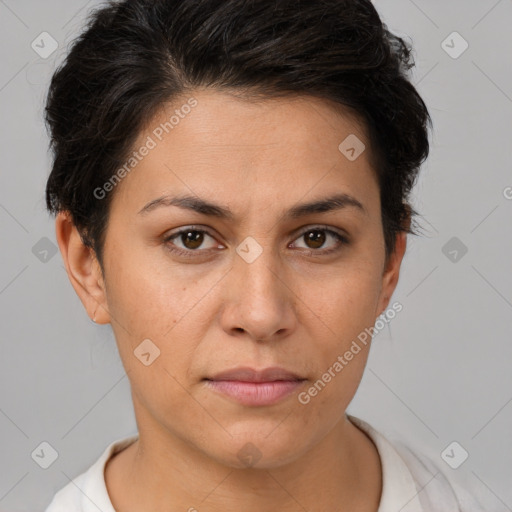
<point>83,269</point>
<point>392,272</point>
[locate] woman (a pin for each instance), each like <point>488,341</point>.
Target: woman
<point>231,186</point>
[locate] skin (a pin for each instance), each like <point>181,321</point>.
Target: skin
<point>292,307</point>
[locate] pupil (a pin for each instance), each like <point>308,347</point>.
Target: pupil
<point>316,237</point>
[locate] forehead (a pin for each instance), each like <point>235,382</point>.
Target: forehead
<point>229,119</point>
<point>246,151</point>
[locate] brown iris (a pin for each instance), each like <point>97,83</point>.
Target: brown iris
<point>194,238</point>
<point>315,237</point>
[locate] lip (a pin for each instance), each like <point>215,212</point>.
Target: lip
<point>255,387</point>
<point>246,374</point>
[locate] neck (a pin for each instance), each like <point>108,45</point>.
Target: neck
<point>161,472</point>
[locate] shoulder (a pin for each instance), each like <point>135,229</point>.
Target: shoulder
<point>88,492</point>
<point>68,499</point>
<point>438,484</point>
<point>414,478</point>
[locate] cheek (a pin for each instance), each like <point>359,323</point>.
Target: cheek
<point>151,299</point>
<point>344,308</point>
<point>153,336</point>
<point>140,290</point>
<point>347,300</point>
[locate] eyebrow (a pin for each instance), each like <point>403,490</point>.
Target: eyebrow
<point>196,204</point>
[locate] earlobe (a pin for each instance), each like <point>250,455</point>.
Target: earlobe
<point>83,269</point>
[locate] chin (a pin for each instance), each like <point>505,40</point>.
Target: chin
<point>259,448</point>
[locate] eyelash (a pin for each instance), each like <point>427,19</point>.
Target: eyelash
<point>191,253</point>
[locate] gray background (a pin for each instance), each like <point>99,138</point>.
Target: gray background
<point>440,373</point>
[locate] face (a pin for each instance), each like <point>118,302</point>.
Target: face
<point>253,279</point>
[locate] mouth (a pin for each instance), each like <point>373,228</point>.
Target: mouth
<point>247,374</point>
<point>251,387</point>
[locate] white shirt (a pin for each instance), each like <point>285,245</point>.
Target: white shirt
<point>409,483</point>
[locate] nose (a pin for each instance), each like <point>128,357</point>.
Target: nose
<point>260,302</point>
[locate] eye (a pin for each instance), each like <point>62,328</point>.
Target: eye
<point>315,238</point>
<point>191,239</point>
